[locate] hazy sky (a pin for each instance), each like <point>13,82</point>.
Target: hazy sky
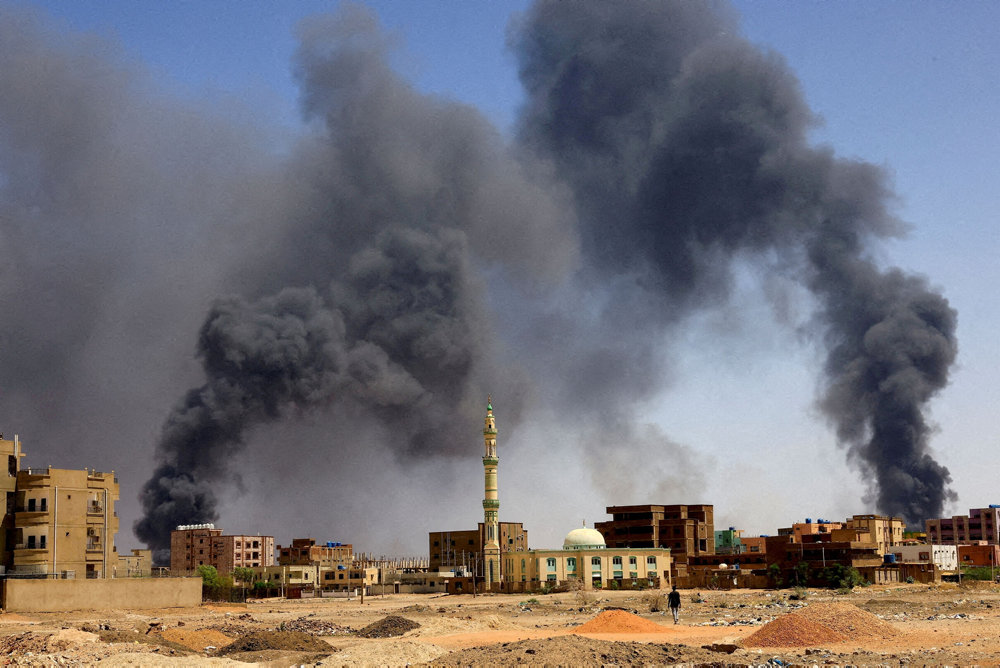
<point>913,88</point>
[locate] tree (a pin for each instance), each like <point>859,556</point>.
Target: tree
<point>839,576</point>
<point>774,575</point>
<point>243,574</point>
<point>801,573</point>
<point>209,575</point>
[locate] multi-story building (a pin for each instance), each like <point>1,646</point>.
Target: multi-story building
<point>729,541</point>
<point>688,530</point>
<point>885,532</point>
<point>684,529</point>
<point>11,451</point>
<point>64,523</point>
<point>754,544</point>
<point>197,545</point>
<point>982,524</point>
<point>980,553</point>
<point>809,527</point>
<point>945,557</point>
<point>305,551</point>
<point>451,550</point>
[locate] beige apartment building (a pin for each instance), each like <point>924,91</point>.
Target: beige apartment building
<point>64,523</point>
<point>197,545</point>
<point>885,532</point>
<point>11,451</point>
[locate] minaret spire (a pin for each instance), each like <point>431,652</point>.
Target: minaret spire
<point>491,500</point>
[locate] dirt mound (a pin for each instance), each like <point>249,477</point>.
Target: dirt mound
<point>819,624</point>
<point>620,621</point>
<point>575,651</point>
<point>196,639</point>
<point>792,631</point>
<point>850,620</point>
<point>294,641</point>
<point>390,626</point>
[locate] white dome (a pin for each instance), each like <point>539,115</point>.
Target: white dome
<point>583,538</point>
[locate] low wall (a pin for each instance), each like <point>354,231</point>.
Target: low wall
<point>127,593</point>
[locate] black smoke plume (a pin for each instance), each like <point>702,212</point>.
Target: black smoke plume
<point>402,258</point>
<point>686,149</point>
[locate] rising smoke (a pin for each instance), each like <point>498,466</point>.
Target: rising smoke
<point>687,151</point>
<point>403,259</point>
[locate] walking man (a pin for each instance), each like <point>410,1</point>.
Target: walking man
<point>674,601</point>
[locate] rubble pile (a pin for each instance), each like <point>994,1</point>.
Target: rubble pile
<point>388,627</point>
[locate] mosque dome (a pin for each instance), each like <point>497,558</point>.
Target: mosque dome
<point>584,539</point>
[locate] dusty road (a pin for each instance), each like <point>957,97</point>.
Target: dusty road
<point>928,625</point>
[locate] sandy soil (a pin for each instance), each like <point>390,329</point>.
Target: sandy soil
<point>937,625</point>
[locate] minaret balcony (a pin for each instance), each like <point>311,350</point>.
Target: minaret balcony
<point>491,503</point>
<point>491,461</point>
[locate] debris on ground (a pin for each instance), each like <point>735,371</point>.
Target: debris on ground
<point>388,627</point>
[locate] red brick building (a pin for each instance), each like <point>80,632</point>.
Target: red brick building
<point>197,545</point>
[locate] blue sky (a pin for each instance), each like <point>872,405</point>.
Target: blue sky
<point>914,87</point>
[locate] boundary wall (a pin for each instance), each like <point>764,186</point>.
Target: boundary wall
<point>30,595</point>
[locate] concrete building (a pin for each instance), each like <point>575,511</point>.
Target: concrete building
<point>11,452</point>
<point>809,527</point>
<point>982,524</point>
<point>65,523</point>
<point>728,541</point>
<point>945,557</point>
<point>979,554</point>
<point>197,545</point>
<point>304,551</point>
<point>688,530</point>
<point>585,558</point>
<point>754,544</point>
<point>463,550</point>
<point>885,532</point>
<point>139,564</point>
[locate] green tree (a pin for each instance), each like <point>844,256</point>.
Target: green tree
<point>243,574</point>
<point>801,574</point>
<point>839,576</point>
<point>209,575</point>
<point>774,575</point>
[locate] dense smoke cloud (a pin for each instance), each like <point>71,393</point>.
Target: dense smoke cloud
<point>403,258</point>
<point>402,195</point>
<point>687,151</point>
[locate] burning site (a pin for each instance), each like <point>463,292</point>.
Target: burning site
<point>298,320</point>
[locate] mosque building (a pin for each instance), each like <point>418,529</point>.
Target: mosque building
<point>584,556</point>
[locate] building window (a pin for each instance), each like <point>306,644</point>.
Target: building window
<point>631,561</point>
<point>550,563</point>
<point>551,577</point>
<point>617,561</point>
<point>571,564</point>
<point>651,562</point>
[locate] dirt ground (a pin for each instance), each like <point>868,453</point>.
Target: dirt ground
<point>889,625</point>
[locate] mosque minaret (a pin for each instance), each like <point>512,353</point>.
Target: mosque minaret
<point>491,501</point>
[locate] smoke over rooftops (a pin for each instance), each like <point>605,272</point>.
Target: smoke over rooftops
<point>377,271</point>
